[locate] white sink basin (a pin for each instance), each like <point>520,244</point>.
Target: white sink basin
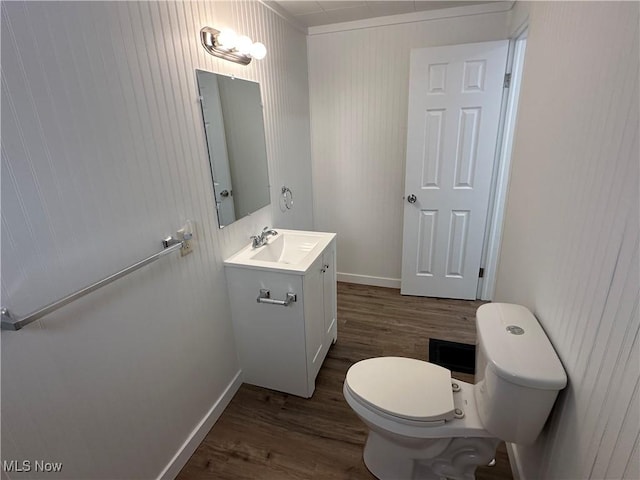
<point>288,248</point>
<point>290,251</point>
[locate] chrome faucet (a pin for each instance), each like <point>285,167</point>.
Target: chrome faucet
<point>260,240</point>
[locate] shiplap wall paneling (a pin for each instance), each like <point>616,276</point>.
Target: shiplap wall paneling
<point>103,154</point>
<point>359,87</point>
<point>570,245</point>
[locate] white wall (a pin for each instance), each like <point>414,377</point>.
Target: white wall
<point>570,244</point>
<point>103,154</point>
<point>359,81</point>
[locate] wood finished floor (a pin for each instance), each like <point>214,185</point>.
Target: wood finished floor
<point>271,435</point>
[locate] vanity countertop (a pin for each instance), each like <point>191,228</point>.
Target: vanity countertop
<point>291,251</point>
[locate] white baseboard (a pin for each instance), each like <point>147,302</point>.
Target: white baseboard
<point>514,461</point>
<point>369,280</point>
<point>183,454</point>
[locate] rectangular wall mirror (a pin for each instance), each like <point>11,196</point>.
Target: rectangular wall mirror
<point>234,129</point>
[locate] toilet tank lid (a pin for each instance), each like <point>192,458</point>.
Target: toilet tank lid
<point>517,348</point>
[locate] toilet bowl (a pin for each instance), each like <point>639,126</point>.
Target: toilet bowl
<point>424,425</point>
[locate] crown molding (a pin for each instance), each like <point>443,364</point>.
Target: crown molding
<point>423,16</point>
<point>278,10</point>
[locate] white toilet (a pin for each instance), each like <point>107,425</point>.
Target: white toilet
<point>424,425</point>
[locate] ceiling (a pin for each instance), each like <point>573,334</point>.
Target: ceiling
<point>310,13</point>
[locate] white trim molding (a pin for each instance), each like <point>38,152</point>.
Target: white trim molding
<point>479,9</point>
<point>500,188</point>
<point>282,13</point>
<point>369,280</point>
<point>198,434</point>
<point>514,461</point>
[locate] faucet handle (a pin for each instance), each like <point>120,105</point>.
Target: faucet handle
<point>265,228</point>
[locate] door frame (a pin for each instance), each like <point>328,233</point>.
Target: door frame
<point>502,166</point>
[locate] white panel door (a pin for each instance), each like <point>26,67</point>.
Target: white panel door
<point>455,94</point>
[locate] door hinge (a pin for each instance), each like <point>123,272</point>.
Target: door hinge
<point>507,80</point>
<point>481,273</point>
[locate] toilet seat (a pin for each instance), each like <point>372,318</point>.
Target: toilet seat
<point>404,388</point>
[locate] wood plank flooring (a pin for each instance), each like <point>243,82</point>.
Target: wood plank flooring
<point>271,435</point>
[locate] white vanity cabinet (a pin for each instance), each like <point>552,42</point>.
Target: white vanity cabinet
<point>319,286</point>
<point>283,347</point>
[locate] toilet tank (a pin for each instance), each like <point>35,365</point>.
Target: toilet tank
<point>518,373</point>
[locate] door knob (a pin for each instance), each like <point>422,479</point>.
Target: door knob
<point>412,198</point>
<point>224,193</point>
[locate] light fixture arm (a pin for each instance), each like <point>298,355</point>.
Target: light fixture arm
<point>209,38</point>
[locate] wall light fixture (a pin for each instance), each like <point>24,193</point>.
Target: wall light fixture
<point>231,46</point>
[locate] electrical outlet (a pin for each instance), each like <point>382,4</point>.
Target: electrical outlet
<point>187,247</point>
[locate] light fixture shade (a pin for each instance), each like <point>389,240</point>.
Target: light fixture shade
<point>258,51</point>
<point>227,39</point>
<point>244,44</point>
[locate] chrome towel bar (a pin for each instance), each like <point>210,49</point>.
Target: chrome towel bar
<point>10,323</point>
<point>265,297</point>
